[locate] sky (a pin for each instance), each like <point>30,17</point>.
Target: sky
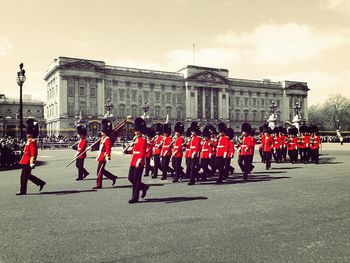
<point>302,40</point>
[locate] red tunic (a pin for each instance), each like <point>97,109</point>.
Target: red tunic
<point>81,148</point>
<point>213,145</point>
<point>253,143</point>
<point>267,143</point>
<point>105,149</point>
<point>177,149</point>
<point>231,149</point>
<point>195,145</point>
<point>306,141</point>
<point>139,152</point>
<point>222,146</point>
<point>157,145</point>
<point>245,146</point>
<point>292,144</point>
<point>30,151</point>
<point>150,145</point>
<point>187,150</point>
<point>316,142</point>
<point>206,150</point>
<point>277,143</point>
<point>166,147</point>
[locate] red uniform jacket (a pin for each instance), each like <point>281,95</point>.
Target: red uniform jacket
<point>30,151</point>
<point>253,143</point>
<point>292,144</point>
<point>222,146</point>
<point>213,145</point>
<point>81,148</point>
<point>105,149</point>
<point>231,149</point>
<point>316,142</point>
<point>306,141</point>
<point>166,147</point>
<point>206,150</point>
<point>195,146</point>
<point>284,141</point>
<point>157,145</point>
<point>245,146</point>
<point>277,143</point>
<point>149,149</point>
<point>177,152</point>
<point>139,152</point>
<point>267,143</point>
<point>187,149</point>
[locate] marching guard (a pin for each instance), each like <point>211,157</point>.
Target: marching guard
<point>221,151</point>
<point>82,144</point>
<point>292,145</point>
<point>104,154</point>
<point>195,145</point>
<point>177,150</point>
<point>267,144</point>
<point>205,153</point>
<point>149,151</point>
<point>315,143</point>
<point>245,151</point>
<point>29,157</point>
<point>230,133</point>
<point>138,161</point>
<point>166,150</point>
<point>158,139</point>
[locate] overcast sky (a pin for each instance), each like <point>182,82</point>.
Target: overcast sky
<point>304,40</point>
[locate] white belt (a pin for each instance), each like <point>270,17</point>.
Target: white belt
<point>220,146</point>
<point>193,147</point>
<point>205,150</point>
<point>136,152</point>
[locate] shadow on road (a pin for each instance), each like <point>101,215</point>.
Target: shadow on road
<point>64,192</point>
<point>239,180</point>
<point>328,160</point>
<point>128,186</point>
<point>175,199</point>
<point>286,168</point>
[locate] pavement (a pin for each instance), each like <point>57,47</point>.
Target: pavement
<point>291,213</point>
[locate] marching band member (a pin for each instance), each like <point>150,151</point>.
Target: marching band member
<point>306,140</point>
<point>221,151</point>
<point>138,161</point>
<point>302,143</point>
<point>213,144</point>
<point>177,150</point>
<point>284,144</point>
<point>252,149</point>
<point>292,145</point>
<point>315,143</point>
<point>245,148</point>
<point>205,152</point>
<point>165,153</point>
<point>195,145</point>
<point>187,152</point>
<point>277,144</point>
<point>158,140</point>
<point>82,144</point>
<point>261,147</point>
<point>149,151</point>
<point>104,154</point>
<point>29,157</point>
<point>267,144</point>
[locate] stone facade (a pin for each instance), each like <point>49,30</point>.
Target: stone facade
<point>9,115</point>
<point>80,87</point>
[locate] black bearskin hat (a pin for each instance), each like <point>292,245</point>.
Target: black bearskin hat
<point>158,127</point>
<point>195,127</point>
<point>207,131</point>
<point>303,129</point>
<point>212,130</point>
<point>314,129</point>
<point>188,132</point>
<point>106,126</point>
<point>230,133</point>
<point>275,130</point>
<point>261,129</point>
<point>140,125</point>
<point>252,132</point>
<point>167,128</point>
<point>150,132</point>
<point>32,127</point>
<point>246,127</point>
<point>179,127</point>
<point>293,131</point>
<point>81,130</point>
<point>222,127</point>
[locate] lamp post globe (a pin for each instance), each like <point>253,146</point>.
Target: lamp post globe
<point>21,78</point>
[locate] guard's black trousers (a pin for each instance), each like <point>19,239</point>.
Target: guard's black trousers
<point>267,157</point>
<point>244,164</point>
<point>194,168</point>
<point>81,170</point>
<point>205,166</point>
<point>135,175</point>
<point>176,163</point>
<point>27,175</point>
<point>220,165</point>
<point>157,164</point>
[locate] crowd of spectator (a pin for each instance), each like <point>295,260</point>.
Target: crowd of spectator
<point>11,150</point>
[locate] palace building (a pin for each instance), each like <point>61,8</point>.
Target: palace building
<point>79,89</point>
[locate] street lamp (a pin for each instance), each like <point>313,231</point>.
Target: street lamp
<point>21,78</point>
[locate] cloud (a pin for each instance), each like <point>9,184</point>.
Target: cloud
<point>339,6</point>
<point>213,57</point>
<point>283,44</point>
<point>5,46</point>
<point>321,84</point>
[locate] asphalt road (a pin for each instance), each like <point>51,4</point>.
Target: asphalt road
<point>292,213</point>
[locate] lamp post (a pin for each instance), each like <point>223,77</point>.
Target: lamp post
<point>21,78</point>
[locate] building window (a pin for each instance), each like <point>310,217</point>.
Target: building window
<point>133,95</point>
<point>241,92</point>
<point>93,92</point>
<point>81,91</point>
<point>179,98</point>
<point>168,111</point>
<point>127,83</point>
<point>245,116</point>
<point>162,87</point>
<point>173,87</point>
<point>146,95</point>
<point>258,94</point>
<point>139,84</point>
<point>249,93</point>
<point>262,116</point>
<point>262,103</point>
<point>121,94</point>
<point>223,96</point>
<point>157,95</point>
<point>179,113</point>
<point>245,101</point>
<point>151,85</point>
<point>237,101</point>
<point>254,115</point>
<point>115,83</point>
<point>70,92</point>
<point>168,97</point>
<point>192,94</point>
<point>133,110</point>
<point>157,112</point>
<point>237,115</point>
<point>121,111</point>
<point>254,101</point>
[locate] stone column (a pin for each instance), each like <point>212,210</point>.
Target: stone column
<point>100,97</point>
<point>63,97</point>
<point>227,103</point>
<point>306,115</point>
<point>195,112</point>
<point>87,97</point>
<point>203,103</point>
<point>188,102</point>
<point>76,96</point>
<point>220,103</point>
<point>211,104</point>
